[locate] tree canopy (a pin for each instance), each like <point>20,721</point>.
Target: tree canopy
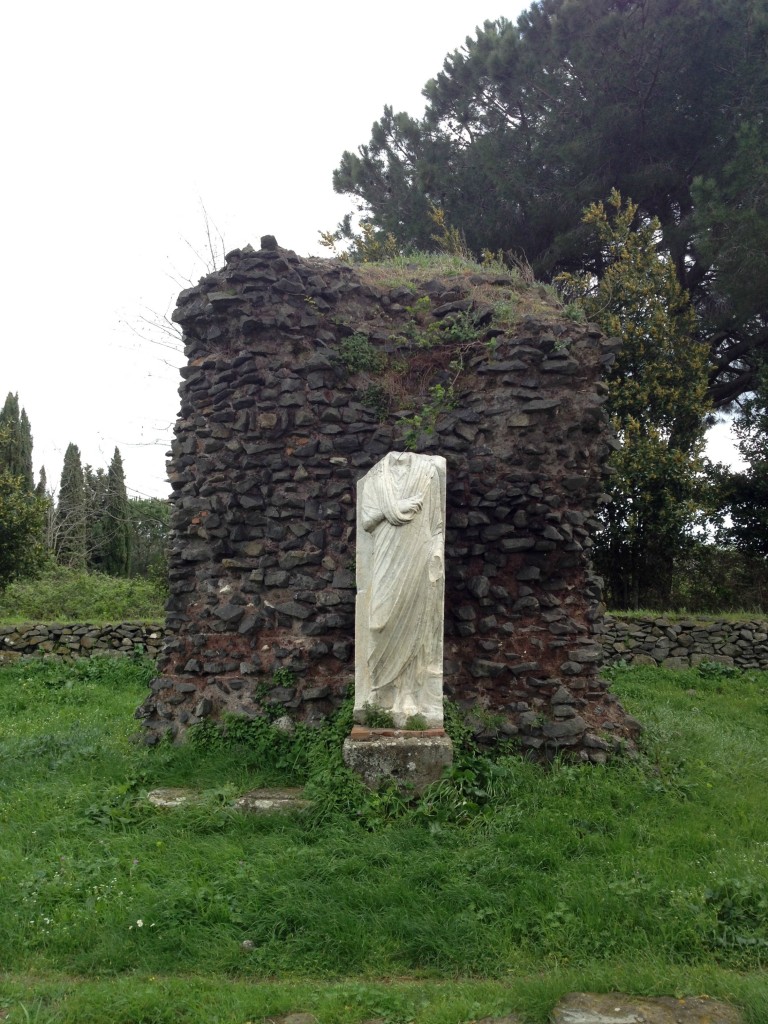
<point>528,124</point>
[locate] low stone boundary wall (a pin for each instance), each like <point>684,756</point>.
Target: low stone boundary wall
<point>638,641</point>
<point>685,643</point>
<point>77,641</point>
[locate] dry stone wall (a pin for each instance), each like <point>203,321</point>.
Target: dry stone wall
<point>686,643</point>
<point>301,375</point>
<point>78,640</point>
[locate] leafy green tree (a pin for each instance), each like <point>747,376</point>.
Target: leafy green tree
<point>657,402</point>
<point>16,442</point>
<point>70,541</point>
<point>528,124</point>
<point>150,529</point>
<point>22,518</point>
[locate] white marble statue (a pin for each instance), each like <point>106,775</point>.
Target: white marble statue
<point>400,588</point>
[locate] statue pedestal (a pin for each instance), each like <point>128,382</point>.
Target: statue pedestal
<point>412,759</point>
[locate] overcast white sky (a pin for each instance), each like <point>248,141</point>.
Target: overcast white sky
<point>119,122</point>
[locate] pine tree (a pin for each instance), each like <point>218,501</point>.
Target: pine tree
<point>16,442</point>
<point>72,512</point>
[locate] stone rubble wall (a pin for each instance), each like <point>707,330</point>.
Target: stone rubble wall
<point>274,431</point>
<point>685,643</point>
<point>78,640</point>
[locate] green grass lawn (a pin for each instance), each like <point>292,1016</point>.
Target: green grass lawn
<point>507,886</point>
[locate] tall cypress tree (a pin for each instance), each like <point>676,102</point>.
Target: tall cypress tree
<point>72,512</point>
<point>95,481</point>
<point>41,490</point>
<point>16,442</point>
<point>46,497</point>
<point>116,522</point>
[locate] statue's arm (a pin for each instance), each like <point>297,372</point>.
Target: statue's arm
<point>436,521</point>
<point>371,517</point>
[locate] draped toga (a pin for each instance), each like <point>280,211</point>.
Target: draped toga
<point>401,509</point>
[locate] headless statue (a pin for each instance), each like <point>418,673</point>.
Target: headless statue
<point>401,583</point>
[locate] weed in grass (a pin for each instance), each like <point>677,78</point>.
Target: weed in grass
<point>741,915</point>
<point>718,670</point>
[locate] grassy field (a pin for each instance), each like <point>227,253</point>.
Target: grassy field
<point>507,886</point>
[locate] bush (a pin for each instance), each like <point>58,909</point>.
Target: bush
<point>63,594</point>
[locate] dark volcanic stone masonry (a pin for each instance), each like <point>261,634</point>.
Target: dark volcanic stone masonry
<point>302,373</point>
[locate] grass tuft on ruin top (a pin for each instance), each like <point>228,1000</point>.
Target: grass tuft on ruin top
<point>512,291</point>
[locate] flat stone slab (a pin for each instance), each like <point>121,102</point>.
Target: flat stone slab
<point>616,1008</point>
<point>173,797</point>
<point>258,801</point>
<point>261,801</point>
